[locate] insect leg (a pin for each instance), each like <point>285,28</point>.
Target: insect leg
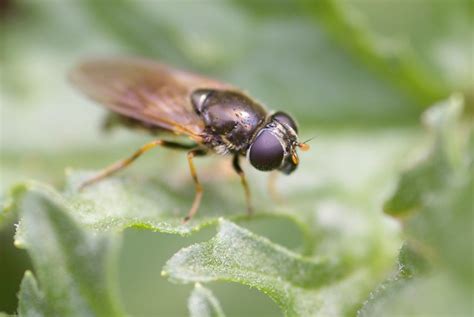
<point>239,170</point>
<point>198,195</point>
<point>117,166</point>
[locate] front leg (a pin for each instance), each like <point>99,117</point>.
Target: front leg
<point>238,170</point>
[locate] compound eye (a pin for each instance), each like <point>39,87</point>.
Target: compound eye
<point>285,119</point>
<point>266,152</point>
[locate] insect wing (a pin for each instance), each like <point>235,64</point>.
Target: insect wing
<point>146,91</point>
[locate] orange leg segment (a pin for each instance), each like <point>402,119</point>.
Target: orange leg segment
<point>117,166</point>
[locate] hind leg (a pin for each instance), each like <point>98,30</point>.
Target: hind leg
<point>117,166</point>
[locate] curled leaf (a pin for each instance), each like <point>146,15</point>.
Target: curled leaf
<point>300,286</point>
<point>202,303</point>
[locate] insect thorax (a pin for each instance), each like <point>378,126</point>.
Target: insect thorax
<point>231,119</point>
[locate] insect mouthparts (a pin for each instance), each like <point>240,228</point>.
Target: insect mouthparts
<point>304,147</point>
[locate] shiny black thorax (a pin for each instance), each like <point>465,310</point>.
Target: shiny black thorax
<point>231,119</point>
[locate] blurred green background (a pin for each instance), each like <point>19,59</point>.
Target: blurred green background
<point>357,74</point>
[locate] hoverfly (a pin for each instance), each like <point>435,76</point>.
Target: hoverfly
<point>216,116</point>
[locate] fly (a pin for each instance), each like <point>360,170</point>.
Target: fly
<point>217,117</point>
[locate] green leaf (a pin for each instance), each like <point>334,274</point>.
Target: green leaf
<point>443,228</point>
<point>410,265</point>
<point>435,36</point>
<point>238,252</point>
<point>31,300</point>
<point>431,295</point>
<point>429,175</point>
<point>400,69</point>
<point>341,225</point>
<point>436,262</point>
<point>202,303</point>
<point>300,286</point>
<point>117,203</point>
<point>73,266</point>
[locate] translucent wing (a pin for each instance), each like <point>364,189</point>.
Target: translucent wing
<point>144,90</point>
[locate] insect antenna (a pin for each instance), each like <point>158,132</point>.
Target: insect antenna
<point>304,146</point>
